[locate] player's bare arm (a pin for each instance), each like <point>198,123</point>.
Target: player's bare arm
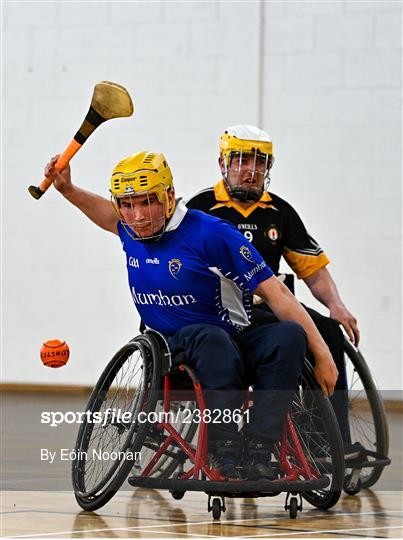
<point>324,289</point>
<point>287,308</point>
<point>96,208</point>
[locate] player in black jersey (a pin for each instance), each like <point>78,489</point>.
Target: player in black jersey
<point>276,230</point>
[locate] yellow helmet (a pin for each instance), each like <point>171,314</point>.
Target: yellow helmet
<point>143,173</point>
<point>244,138</point>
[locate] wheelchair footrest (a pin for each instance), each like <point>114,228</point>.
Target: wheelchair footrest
<point>256,487</point>
<point>378,461</point>
<point>373,463</point>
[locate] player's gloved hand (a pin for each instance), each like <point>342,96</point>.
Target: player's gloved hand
<point>61,180</point>
<point>342,315</point>
<point>326,373</point>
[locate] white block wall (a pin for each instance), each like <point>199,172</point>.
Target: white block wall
<point>330,98</point>
<point>332,102</point>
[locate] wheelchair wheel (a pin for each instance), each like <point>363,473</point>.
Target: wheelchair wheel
<point>106,450</point>
<point>318,430</point>
<point>367,417</point>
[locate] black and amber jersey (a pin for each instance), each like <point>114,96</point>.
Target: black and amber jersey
<point>270,224</point>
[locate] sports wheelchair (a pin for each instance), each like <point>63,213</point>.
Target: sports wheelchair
<point>143,378</point>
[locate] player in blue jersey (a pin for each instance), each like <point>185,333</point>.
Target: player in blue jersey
<point>191,276</point>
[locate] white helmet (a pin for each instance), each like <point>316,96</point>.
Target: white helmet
<point>249,133</point>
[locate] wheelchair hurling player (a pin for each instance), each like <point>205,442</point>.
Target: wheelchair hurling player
<point>144,377</point>
<point>191,277</point>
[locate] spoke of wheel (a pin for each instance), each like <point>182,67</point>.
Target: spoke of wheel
<point>359,429</point>
<point>124,394</point>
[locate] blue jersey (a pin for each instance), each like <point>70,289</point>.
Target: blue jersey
<point>202,270</point>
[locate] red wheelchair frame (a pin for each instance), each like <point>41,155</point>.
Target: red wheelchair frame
<point>295,471</point>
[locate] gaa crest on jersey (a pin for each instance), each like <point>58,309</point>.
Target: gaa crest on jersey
<point>174,266</point>
<point>272,233</point>
<point>246,253</point>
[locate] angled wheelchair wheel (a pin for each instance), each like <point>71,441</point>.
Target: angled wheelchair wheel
<point>112,432</point>
<point>367,417</point>
<point>319,434</point>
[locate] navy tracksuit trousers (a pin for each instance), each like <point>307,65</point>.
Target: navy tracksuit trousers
<point>269,358</point>
<point>334,339</point>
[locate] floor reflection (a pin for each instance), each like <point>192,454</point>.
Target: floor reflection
<point>90,521</point>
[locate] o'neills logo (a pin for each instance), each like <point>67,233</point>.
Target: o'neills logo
<point>161,299</point>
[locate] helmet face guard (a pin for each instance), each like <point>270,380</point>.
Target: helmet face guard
<point>246,174</point>
<point>246,159</point>
<point>154,215</point>
<point>144,181</point>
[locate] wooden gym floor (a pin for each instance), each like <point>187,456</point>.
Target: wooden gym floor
<point>37,500</point>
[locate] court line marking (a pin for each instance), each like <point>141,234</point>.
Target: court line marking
<point>382,513</point>
<point>335,531</point>
<point>140,528</point>
<point>189,524</point>
<point>180,534</point>
<point>113,529</point>
<point>293,530</point>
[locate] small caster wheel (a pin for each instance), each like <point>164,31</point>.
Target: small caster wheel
<point>293,507</point>
<point>216,508</point>
<point>177,495</point>
<point>351,490</point>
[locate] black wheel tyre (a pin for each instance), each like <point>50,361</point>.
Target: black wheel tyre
<point>93,497</point>
<point>293,508</point>
<point>330,436</point>
<point>177,495</point>
<point>381,444</point>
<point>216,508</point>
<point>351,491</point>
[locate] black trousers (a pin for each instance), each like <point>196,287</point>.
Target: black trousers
<point>331,333</point>
<point>269,357</point>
